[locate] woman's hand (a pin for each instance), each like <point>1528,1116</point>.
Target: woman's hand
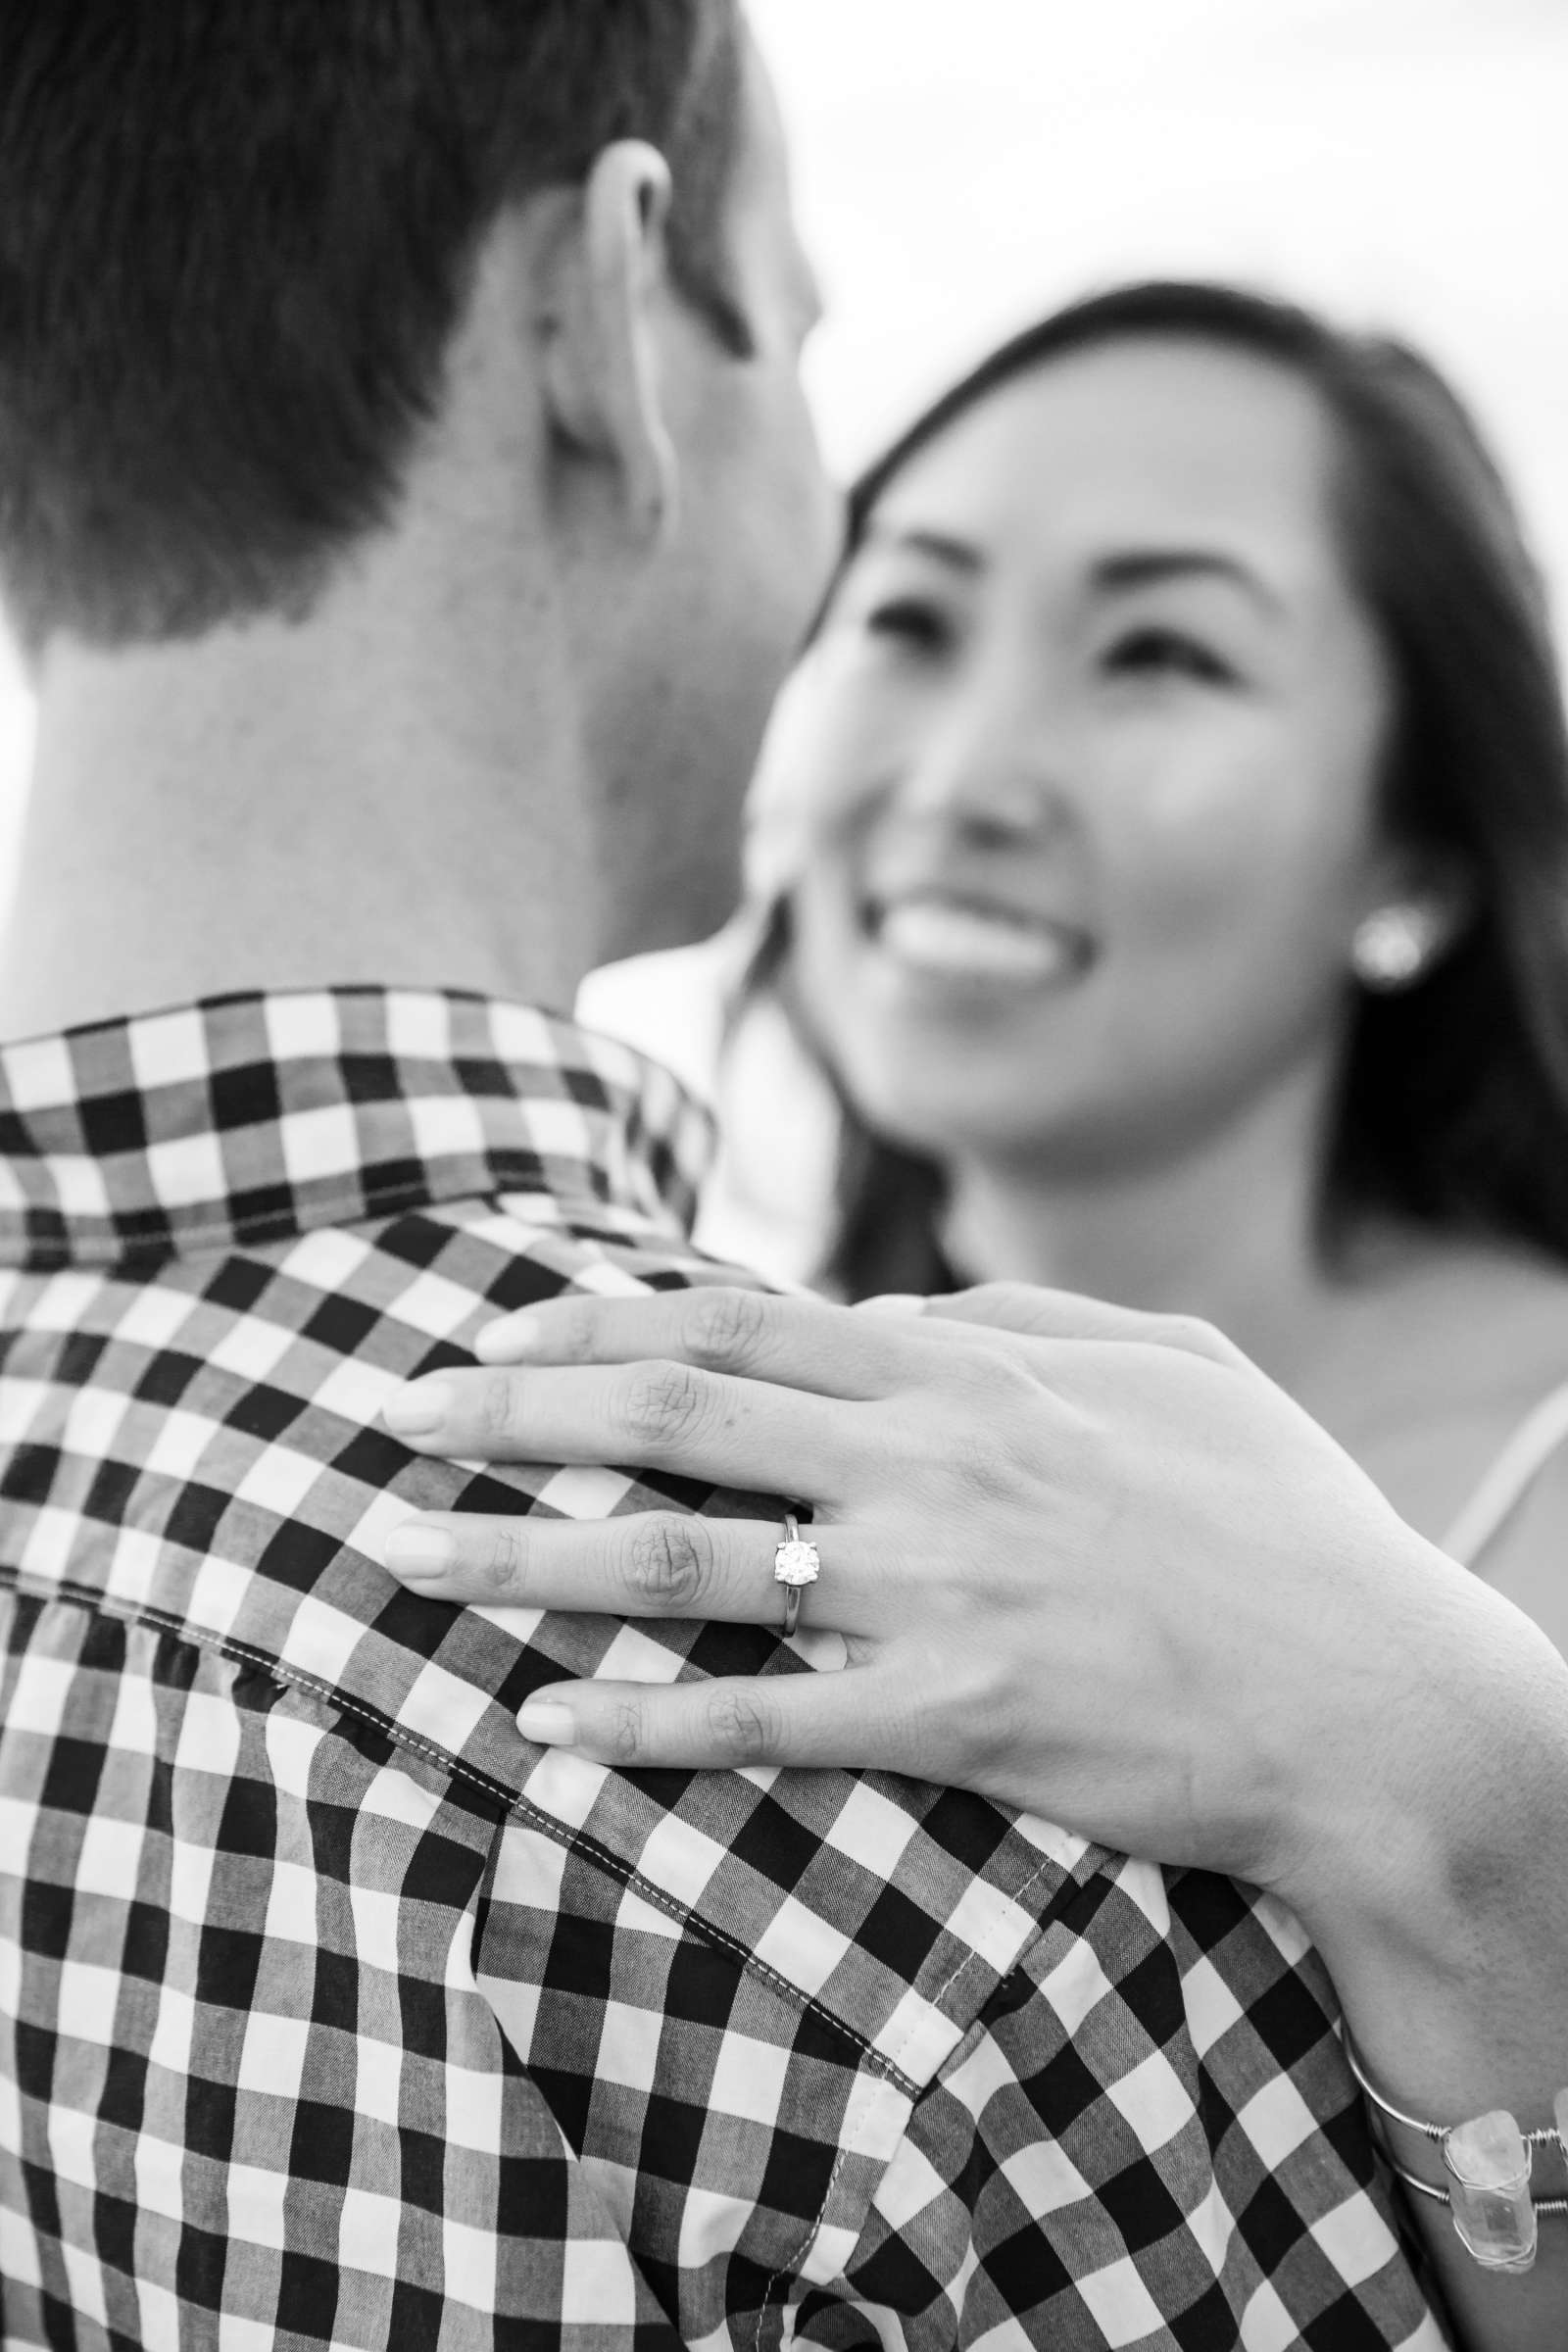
<point>1086,1562</point>
<point>1093,1563</point>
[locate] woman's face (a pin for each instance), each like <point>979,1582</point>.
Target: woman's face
<point>1091,737</point>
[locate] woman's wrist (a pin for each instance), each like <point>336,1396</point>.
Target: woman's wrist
<point>1446,1932</point>
<point>1437,1890</point>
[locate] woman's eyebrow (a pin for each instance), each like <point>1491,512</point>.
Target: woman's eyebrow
<point>958,555</point>
<point>1146,567</point>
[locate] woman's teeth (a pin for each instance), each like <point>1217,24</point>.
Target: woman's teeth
<point>970,943</point>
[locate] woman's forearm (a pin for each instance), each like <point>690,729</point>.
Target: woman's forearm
<point>1440,1903</point>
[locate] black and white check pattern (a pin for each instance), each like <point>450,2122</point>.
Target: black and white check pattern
<point>334,2013</point>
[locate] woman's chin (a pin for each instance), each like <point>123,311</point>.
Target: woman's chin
<point>943,1106</point>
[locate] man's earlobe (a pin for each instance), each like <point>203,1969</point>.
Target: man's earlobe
<point>609,269</point>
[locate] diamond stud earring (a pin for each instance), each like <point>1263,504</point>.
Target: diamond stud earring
<point>1391,947</point>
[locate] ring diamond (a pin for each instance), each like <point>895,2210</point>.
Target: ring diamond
<point>796,1564</point>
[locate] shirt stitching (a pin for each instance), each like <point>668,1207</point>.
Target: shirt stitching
<point>242,1653</point>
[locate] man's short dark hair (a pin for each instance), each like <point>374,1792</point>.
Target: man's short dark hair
<point>235,239</point>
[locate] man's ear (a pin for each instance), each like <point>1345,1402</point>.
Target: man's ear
<point>608,267</point>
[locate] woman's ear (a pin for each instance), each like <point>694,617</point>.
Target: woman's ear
<point>606,270</point>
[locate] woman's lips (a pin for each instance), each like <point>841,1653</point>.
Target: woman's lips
<point>971,943</point>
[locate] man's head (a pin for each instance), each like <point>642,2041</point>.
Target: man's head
<point>254,260</point>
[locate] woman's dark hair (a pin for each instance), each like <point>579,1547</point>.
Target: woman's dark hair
<point>1454,1102</point>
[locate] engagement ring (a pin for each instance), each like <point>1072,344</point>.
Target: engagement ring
<point>796,1564</point>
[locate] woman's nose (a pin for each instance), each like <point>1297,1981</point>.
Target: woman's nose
<point>988,773</point>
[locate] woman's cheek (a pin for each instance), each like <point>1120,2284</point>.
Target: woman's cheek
<point>830,763</point>
<point>826,938</point>
<point>1209,831</point>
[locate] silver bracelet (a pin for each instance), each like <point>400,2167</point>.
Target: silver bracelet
<point>1489,2161</point>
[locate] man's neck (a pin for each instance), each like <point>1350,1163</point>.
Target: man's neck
<point>289,807</point>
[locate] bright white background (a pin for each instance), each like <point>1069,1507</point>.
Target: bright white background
<point>962,164</point>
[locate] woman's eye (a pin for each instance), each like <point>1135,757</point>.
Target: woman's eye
<point>908,621</point>
<point>1150,652</point>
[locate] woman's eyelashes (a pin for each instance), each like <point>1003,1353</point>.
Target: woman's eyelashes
<point>912,622</point>
<point>914,625</point>
<point>1160,650</point>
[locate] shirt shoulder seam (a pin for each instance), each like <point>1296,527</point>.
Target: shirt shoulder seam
<point>577,1841</point>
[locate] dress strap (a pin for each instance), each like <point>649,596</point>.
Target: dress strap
<point>1540,1435</point>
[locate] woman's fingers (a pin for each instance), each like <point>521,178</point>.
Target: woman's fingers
<point>659,1415</point>
<point>864,1353</point>
<point>1028,1311</point>
<point>799,1343</point>
<point>801,1719</point>
<point>646,1565</point>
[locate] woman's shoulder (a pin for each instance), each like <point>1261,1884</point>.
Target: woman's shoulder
<point>1445,1351</point>
<point>1494,1317</point>
<point>1513,1527</point>
<point>1527,1558</point>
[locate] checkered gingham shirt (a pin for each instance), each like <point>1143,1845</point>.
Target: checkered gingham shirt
<point>331,2011</point>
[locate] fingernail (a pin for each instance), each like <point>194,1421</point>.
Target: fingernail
<point>419,1408</point>
<point>895,1303</point>
<point>414,1549</point>
<point>551,1725</point>
<point>504,1342</point>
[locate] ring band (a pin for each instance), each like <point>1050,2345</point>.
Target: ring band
<point>796,1564</point>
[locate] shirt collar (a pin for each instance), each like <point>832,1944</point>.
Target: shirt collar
<point>246,1119</point>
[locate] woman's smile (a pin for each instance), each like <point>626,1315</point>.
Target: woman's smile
<point>967,946</point>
